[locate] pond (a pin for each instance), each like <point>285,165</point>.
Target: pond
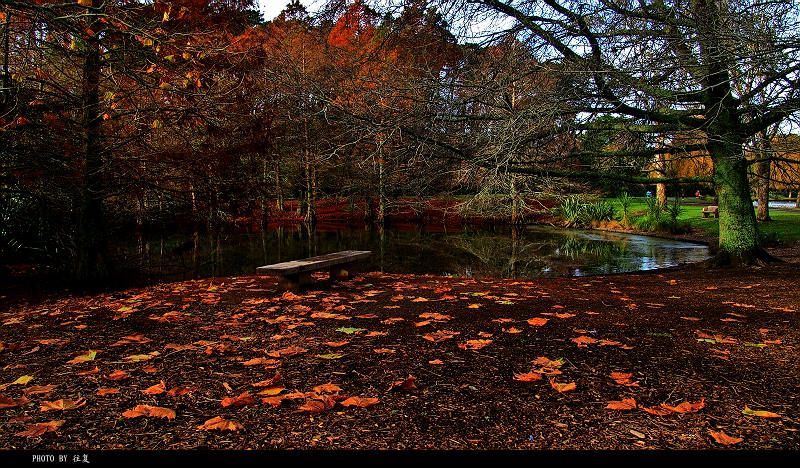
<point>529,252</point>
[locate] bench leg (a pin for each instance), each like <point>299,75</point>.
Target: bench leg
<point>294,282</point>
<point>339,273</point>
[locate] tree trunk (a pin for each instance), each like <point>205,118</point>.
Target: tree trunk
<point>92,248</point>
<point>311,216</point>
<point>661,189</point>
<point>762,190</point>
<point>516,217</point>
<point>738,229</point>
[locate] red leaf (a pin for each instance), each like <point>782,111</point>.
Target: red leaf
<point>406,384</point>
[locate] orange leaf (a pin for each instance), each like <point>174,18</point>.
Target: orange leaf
<point>657,410</point>
<point>583,341</point>
<point>327,388</point>
<point>156,389</point>
<point>686,407</point>
<point>117,375</point>
<point>6,402</point>
<point>474,344</point>
<point>625,404</point>
<point>241,400</point>
<point>537,321</point>
<point>96,370</point>
<point>220,424</point>
<point>274,400</point>
<point>561,387</point>
<point>441,335</point>
<point>529,377</point>
<point>724,439</point>
<point>38,429</point>
<point>286,352</point>
<point>39,389</point>
<point>545,362</point>
<point>336,344</point>
<point>106,391</point>
<point>146,410</point>
<point>62,405</point>
<point>360,402</point>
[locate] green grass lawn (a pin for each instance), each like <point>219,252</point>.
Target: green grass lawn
<point>784,227</point>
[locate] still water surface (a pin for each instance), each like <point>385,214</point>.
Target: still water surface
<point>533,251</point>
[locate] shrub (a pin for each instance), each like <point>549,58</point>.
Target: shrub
<point>625,203</point>
<point>577,214</point>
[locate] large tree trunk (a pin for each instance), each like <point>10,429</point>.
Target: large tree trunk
<point>738,229</point>
<point>92,249</point>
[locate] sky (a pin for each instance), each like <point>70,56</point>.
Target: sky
<point>271,8</point>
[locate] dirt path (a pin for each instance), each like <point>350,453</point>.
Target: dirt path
<point>453,363</point>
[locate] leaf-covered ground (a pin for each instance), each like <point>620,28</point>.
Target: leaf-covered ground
<point>688,358</point>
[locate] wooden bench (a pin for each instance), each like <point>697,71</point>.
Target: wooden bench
<point>709,210</point>
<point>297,273</point>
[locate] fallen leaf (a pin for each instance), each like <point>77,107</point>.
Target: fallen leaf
<point>625,404</point>
<point>406,384</point>
<point>350,330</point>
<point>220,424</point>
<point>762,414</point>
<point>317,406</point>
<point>89,356</point>
<point>474,344</point>
<point>656,410</point>
<point>156,389</point>
<point>724,438</point>
<point>178,391</point>
<point>583,341</point>
<point>117,375</point>
<point>6,402</point>
<point>39,389</point>
<point>686,407</point>
<point>336,344</point>
<point>360,402</point>
<point>329,356</point>
<point>241,400</point>
<point>146,410</point>
<point>537,321</point>
<point>327,388</point>
<point>528,377</point>
<point>61,405</point>
<point>106,391</point>
<point>271,391</point>
<point>40,428</point>
<point>562,387</point>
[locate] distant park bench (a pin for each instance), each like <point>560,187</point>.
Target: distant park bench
<point>297,273</point>
<point>709,210</point>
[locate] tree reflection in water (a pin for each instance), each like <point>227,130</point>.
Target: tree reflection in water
<point>495,252</point>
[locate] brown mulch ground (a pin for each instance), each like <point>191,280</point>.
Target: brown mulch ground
<point>442,356</point>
